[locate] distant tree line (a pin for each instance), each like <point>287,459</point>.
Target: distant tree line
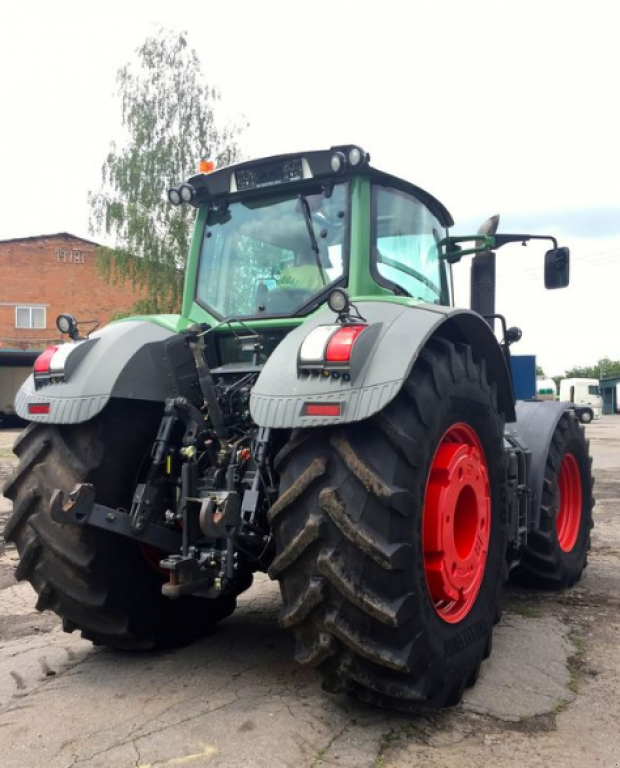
<point>606,368</point>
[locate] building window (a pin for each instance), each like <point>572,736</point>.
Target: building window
<point>30,317</point>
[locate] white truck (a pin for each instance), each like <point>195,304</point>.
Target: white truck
<point>546,388</point>
<point>585,394</point>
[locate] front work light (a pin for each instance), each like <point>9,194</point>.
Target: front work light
<point>174,196</point>
<point>337,162</point>
<point>187,193</point>
<point>338,301</point>
<point>66,324</point>
<point>355,156</point>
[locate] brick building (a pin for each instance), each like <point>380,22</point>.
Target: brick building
<point>42,277</point>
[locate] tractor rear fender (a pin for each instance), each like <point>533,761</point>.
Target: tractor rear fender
<point>533,429</point>
<point>381,360</point>
<point>133,360</point>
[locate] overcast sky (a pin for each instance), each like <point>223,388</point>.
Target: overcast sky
<point>494,107</point>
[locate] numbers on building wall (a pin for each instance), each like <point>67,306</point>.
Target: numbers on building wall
<point>73,256</point>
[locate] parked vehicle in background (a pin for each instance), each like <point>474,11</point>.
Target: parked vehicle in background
<point>15,367</point>
<point>546,388</point>
<point>586,396</point>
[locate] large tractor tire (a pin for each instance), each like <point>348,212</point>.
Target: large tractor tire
<point>97,582</point>
<point>390,538</point>
<point>557,553</point>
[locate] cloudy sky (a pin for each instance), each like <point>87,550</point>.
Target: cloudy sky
<point>494,107</point>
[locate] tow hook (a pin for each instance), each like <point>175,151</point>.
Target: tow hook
<point>81,509</point>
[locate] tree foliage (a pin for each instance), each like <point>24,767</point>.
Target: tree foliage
<point>604,369</point>
<point>168,113</point>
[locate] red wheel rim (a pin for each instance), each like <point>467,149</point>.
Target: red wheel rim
<point>568,519</point>
<point>456,524</point>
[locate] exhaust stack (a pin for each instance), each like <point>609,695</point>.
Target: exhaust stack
<point>482,292</point>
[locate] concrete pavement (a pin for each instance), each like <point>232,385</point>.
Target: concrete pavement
<point>237,698</point>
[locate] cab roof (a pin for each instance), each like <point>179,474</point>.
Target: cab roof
<point>299,168</point>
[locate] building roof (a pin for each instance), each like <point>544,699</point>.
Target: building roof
<point>63,235</point>
<point>610,382</point>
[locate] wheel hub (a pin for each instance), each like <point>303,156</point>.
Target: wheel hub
<point>456,523</point>
<point>568,518</point>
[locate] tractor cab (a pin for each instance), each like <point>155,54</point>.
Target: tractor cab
<point>274,237</point>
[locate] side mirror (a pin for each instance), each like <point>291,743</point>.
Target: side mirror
<point>557,268</point>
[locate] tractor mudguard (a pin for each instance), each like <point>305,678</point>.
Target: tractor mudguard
<point>533,429</point>
<point>134,360</point>
<point>380,362</point>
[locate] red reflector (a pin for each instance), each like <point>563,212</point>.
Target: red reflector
<point>340,345</point>
<point>38,408</point>
<point>322,409</point>
<point>43,362</point>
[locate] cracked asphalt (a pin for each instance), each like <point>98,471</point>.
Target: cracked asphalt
<point>549,694</point>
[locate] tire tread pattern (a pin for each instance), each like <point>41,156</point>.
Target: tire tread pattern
<point>544,565</point>
<point>96,582</point>
<point>339,532</point>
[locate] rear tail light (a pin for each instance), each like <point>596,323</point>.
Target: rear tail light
<point>43,363</point>
<point>329,345</point>
<point>341,343</point>
<point>49,367</point>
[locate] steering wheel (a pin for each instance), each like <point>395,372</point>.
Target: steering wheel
<point>411,272</point>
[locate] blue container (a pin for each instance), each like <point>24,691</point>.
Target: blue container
<point>524,376</point>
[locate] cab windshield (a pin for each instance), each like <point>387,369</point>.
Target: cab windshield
<point>268,257</point>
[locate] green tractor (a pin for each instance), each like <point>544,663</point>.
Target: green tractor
<point>319,411</point>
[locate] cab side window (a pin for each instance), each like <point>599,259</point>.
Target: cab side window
<point>405,253</point>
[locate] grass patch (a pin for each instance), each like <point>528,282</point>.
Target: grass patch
<point>575,663</point>
<point>559,706</point>
<point>387,740</point>
<point>527,611</point>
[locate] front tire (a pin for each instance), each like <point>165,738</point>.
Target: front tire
<point>97,582</point>
<point>356,530</point>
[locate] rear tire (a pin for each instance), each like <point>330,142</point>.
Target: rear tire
<point>97,582</point>
<point>556,554</point>
<point>351,541</point>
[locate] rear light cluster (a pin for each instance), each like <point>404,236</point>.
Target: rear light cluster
<point>329,347</point>
<point>49,367</point>
<point>326,350</point>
